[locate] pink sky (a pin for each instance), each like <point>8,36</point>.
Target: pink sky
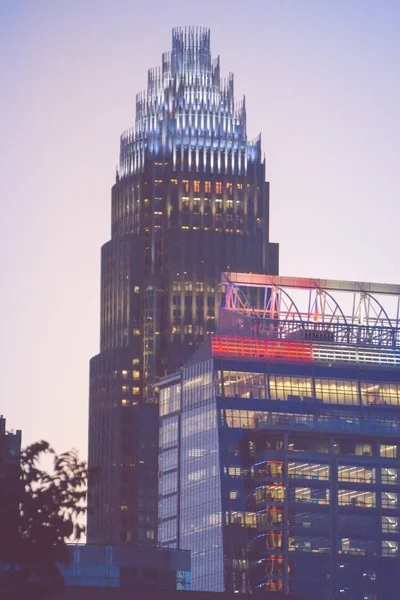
<point>322,86</point>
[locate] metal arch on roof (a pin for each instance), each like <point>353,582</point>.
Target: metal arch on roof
<point>325,294</point>
<point>293,304</point>
<point>363,295</point>
<point>359,315</point>
<point>233,295</point>
<point>256,280</point>
<point>234,292</point>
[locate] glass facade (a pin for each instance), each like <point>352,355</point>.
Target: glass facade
<point>192,517</point>
<point>290,475</point>
<point>200,497</point>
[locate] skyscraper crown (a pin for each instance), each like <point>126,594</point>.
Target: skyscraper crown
<point>189,113</point>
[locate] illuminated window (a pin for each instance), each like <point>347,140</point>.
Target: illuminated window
<point>170,401</point>
<point>390,548</point>
<point>186,184</point>
<point>136,361</point>
<point>389,500</point>
<point>239,186</point>
<point>234,471</point>
<point>196,186</point>
<point>218,187</point>
<point>150,534</point>
<point>125,374</point>
<point>124,402</point>
<point>125,388</point>
<point>389,476</point>
<point>388,451</point>
<point>312,495</point>
<point>136,374</point>
<point>380,393</point>
<point>136,332</point>
<point>233,494</point>
<point>337,391</point>
<point>136,289</point>
<point>390,524</point>
<point>207,187</point>
<point>175,181</point>
<point>244,385</point>
<point>356,498</point>
<point>270,493</point>
<point>135,391</point>
<point>290,388</point>
<point>229,187</point>
<point>272,468</point>
<point>124,507</point>
<point>356,474</point>
<point>308,471</point>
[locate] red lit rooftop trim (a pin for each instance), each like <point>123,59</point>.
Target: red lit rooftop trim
<point>261,349</point>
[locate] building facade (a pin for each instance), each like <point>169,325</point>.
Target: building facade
<point>10,472</point>
<point>190,200</point>
<point>128,568</point>
<point>280,443</point>
<point>138,593</point>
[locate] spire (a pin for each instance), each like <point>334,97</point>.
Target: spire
<point>187,105</point>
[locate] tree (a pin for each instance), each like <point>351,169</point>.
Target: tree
<point>48,507</point>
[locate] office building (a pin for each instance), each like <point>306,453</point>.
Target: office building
<point>190,200</point>
<point>280,443</point>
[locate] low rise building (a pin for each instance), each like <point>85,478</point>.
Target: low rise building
<point>127,568</point>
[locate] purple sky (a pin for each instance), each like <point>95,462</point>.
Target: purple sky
<point>321,83</point>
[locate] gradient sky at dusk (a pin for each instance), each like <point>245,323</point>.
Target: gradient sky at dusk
<point>322,84</point>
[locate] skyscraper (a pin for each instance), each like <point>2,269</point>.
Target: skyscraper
<point>190,200</point>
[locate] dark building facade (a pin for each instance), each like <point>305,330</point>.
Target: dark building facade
<point>190,200</point>
<point>280,443</point>
<point>128,568</point>
<point>10,449</point>
<point>10,452</point>
<point>138,593</point>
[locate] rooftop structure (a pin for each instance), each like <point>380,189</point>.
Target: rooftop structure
<point>352,313</point>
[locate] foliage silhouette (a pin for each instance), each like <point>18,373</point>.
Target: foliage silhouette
<point>40,510</point>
